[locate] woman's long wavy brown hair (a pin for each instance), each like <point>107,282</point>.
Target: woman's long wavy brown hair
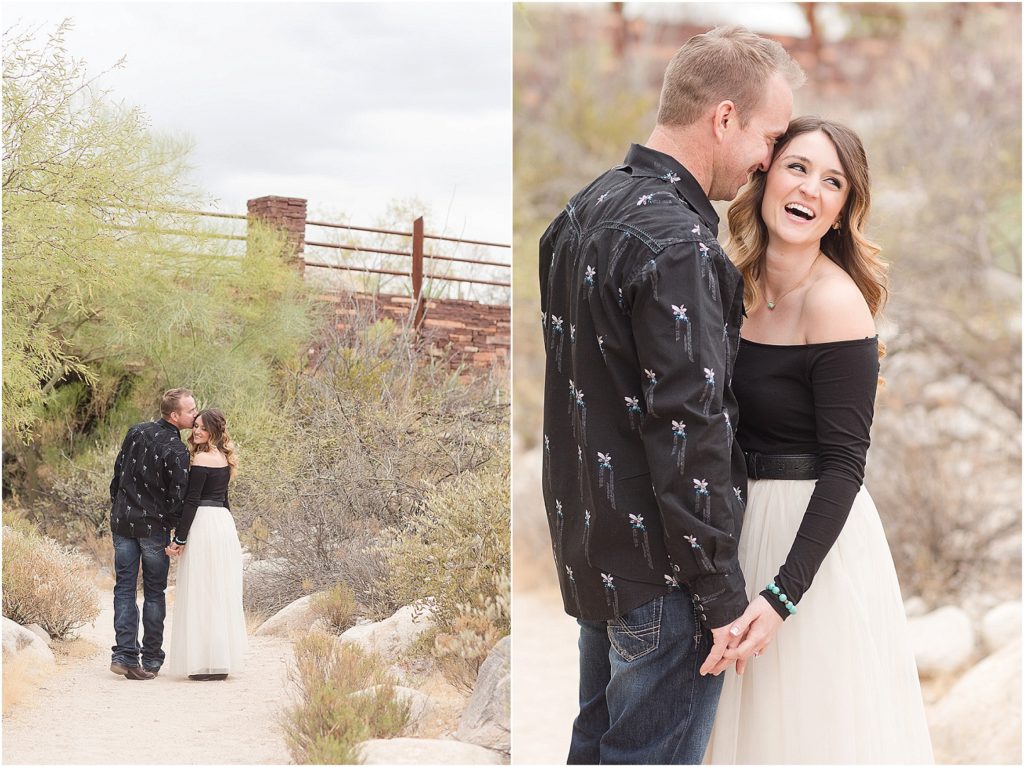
<point>848,246</point>
<point>215,423</point>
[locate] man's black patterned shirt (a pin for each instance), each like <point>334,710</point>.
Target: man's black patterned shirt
<point>150,480</point>
<point>644,484</point>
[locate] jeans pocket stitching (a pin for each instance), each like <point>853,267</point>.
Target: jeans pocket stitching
<point>648,634</point>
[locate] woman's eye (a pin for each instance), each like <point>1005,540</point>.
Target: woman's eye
<point>796,166</point>
<point>834,182</point>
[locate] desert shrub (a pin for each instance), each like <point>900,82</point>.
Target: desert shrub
<point>374,428</point>
<point>456,547</point>
<point>337,605</point>
<point>330,718</point>
<point>477,628</point>
<point>47,583</point>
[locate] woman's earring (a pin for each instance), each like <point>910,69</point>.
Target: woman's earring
<point>836,225</point>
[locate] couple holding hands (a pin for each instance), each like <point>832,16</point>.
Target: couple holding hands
<point>707,415</point>
<point>161,485</point>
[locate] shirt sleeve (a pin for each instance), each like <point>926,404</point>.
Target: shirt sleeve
<point>177,476</point>
<point>115,483</point>
<point>844,379</point>
<point>196,483</point>
<point>678,323</point>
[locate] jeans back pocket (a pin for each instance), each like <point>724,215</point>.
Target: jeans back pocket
<point>638,632</point>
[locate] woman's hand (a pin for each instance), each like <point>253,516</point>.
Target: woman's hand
<point>760,622</point>
<point>173,550</point>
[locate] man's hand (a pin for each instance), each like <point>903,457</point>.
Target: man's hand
<point>760,622</point>
<point>726,639</point>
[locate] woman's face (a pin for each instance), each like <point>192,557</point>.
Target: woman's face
<point>805,190</point>
<point>200,436</point>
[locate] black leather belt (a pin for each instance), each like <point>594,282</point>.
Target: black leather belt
<point>761,466</point>
<point>212,503</point>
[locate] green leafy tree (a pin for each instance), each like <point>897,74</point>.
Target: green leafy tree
<point>112,294</point>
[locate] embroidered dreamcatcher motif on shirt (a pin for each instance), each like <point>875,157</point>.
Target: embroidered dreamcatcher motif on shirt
<point>652,381</point>
<point>672,582</point>
<point>650,272</point>
<point>600,347</point>
<point>586,534</point>
<point>679,315</point>
<point>559,526</point>
<point>679,445</point>
<point>636,522</point>
<point>728,428</point>
<point>707,269</point>
<point>557,337</point>
<point>579,469</point>
<point>700,489</point>
<point>588,280</point>
<point>739,497</point>
<point>573,589</point>
<point>700,554</point>
<point>546,468</point>
<point>634,411</point>
<point>708,394</point>
<point>581,416</point>
<point>611,598</point>
<point>606,476</point>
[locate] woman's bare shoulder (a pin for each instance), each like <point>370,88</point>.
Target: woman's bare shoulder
<point>212,459</point>
<point>835,310</point>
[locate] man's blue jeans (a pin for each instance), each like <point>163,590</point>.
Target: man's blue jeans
<point>642,698</point>
<point>128,553</point>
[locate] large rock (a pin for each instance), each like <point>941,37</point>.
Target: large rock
<point>1001,626</point>
<point>419,703</point>
<point>296,617</point>
<point>485,721</point>
<point>915,607</point>
<point>943,640</point>
<point>393,636</point>
<point>40,632</point>
<point>978,720</point>
<point>19,641</point>
<point>423,751</point>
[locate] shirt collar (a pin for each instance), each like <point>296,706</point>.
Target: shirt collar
<point>167,425</point>
<point>646,162</point>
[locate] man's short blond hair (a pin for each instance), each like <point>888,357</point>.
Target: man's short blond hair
<point>170,402</point>
<point>728,63</point>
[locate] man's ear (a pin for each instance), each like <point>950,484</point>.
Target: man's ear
<point>724,118</point>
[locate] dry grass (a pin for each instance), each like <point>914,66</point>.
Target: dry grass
<point>47,583</point>
<point>329,721</point>
<point>21,676</point>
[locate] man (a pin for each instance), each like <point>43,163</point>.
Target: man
<point>150,480</point>
<point>643,483</point>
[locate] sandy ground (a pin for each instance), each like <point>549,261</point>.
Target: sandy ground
<point>545,677</point>
<point>84,714</point>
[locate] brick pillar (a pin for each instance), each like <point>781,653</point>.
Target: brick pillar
<point>288,213</point>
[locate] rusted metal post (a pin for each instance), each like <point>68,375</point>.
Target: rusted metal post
<point>417,271</point>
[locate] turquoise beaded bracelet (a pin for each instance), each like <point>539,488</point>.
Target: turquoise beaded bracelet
<point>790,607</point>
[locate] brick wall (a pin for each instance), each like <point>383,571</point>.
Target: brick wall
<point>467,332</point>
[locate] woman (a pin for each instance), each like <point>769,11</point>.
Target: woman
<point>208,636</point>
<point>838,684</point>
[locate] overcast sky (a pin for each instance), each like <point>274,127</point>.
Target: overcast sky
<point>350,105</point>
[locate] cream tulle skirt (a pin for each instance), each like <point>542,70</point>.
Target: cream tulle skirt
<point>208,625</point>
<point>838,685</point>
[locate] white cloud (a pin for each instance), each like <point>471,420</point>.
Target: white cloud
<point>360,102</point>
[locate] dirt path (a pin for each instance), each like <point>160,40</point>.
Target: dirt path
<point>545,678</point>
<point>84,714</point>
